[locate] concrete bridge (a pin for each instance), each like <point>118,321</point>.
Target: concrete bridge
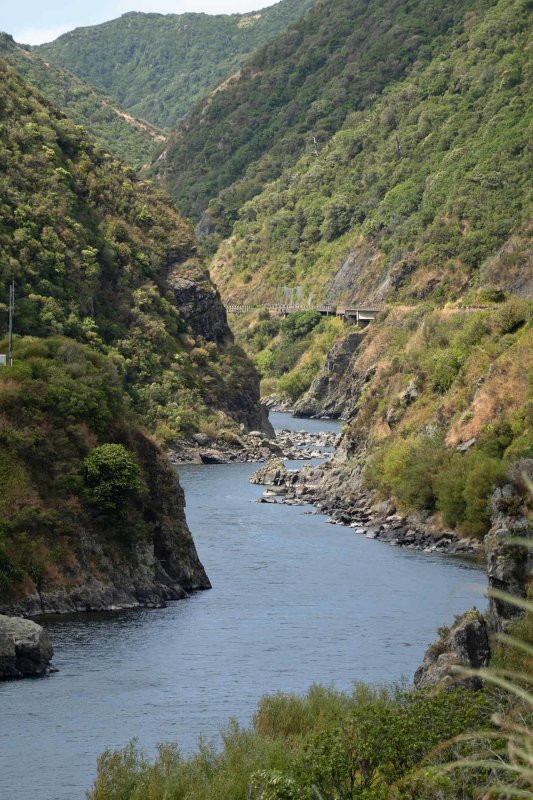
<point>354,315</point>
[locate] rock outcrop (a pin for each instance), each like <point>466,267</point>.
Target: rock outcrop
<point>106,572</point>
<point>509,566</point>
<point>465,644</point>
<point>334,392</point>
<point>200,306</point>
<point>25,649</point>
<point>273,473</point>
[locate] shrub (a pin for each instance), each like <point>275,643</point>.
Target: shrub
<point>407,469</point>
<point>295,383</point>
<point>111,473</point>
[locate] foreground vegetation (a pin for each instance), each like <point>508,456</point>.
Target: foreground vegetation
<point>325,744</point>
<point>370,744</point>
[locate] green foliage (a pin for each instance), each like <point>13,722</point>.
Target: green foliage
<point>431,173</point>
<point>421,474</point>
<point>324,745</point>
<point>407,469</point>
<point>112,474</point>
<point>159,66</point>
<point>125,137</point>
<point>289,99</point>
<point>59,399</point>
<point>93,252</point>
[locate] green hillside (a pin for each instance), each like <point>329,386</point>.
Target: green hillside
<point>159,66</point>
<point>126,137</point>
<point>119,334</point>
<point>103,258</point>
<point>423,203</point>
<point>294,94</point>
<point>414,194</point>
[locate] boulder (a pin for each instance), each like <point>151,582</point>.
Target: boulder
<point>465,644</point>
<point>273,473</point>
<point>25,649</point>
<point>212,456</point>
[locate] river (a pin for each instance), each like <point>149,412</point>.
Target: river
<point>295,600</point>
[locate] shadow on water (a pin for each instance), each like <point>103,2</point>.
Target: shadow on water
<point>294,600</point>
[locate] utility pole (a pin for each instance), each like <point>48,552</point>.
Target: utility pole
<point>11,315</point>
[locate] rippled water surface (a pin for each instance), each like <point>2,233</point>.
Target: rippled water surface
<point>295,600</point>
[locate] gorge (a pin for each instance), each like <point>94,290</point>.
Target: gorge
<point>294,601</point>
<point>184,201</point>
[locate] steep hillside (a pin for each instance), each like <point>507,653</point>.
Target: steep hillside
<point>103,258</point>
<point>292,95</point>
<point>413,195</point>
<point>126,137</point>
<point>422,203</point>
<point>159,66</point>
<point>117,325</point>
<point>91,513</point>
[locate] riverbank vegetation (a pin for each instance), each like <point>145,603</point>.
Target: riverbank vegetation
<point>370,744</point>
<point>443,424</point>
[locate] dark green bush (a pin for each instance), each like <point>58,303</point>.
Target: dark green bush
<point>112,474</point>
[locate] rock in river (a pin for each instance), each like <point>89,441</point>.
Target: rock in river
<point>25,649</point>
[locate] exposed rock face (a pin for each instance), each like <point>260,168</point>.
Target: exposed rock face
<point>108,573</point>
<point>509,566</point>
<point>334,391</point>
<point>200,305</point>
<point>25,649</point>
<point>466,644</point>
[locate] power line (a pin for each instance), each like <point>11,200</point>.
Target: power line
<point>11,315</point>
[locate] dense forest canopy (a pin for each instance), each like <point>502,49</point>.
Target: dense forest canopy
<point>293,94</point>
<point>158,66</point>
<point>126,137</point>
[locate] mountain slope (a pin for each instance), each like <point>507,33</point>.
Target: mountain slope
<point>120,133</point>
<point>118,329</point>
<point>414,194</point>
<point>293,94</point>
<point>422,203</point>
<point>104,258</point>
<point>158,66</point>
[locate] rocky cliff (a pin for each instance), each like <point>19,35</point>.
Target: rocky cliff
<point>509,564</point>
<point>92,513</point>
<point>335,391</point>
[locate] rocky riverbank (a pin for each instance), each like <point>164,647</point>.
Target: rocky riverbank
<point>375,520</point>
<point>25,649</point>
<point>253,447</point>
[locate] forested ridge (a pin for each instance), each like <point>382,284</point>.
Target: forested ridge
<point>159,66</point>
<point>422,203</point>
<point>293,94</point>
<point>106,352</point>
<point>126,137</point>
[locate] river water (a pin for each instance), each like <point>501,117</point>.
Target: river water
<point>295,600</point>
